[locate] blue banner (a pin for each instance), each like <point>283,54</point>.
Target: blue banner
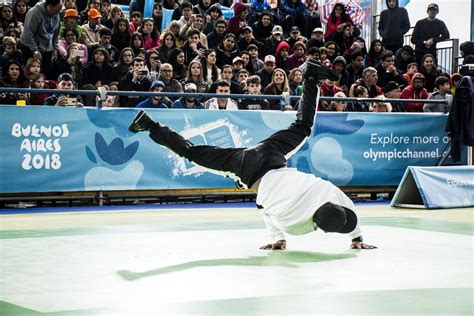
<point>47,149</point>
<point>438,187</point>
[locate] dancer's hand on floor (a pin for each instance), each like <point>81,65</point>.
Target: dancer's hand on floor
<point>361,245</point>
<point>279,245</point>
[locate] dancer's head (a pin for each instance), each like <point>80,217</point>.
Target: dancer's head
<point>333,218</point>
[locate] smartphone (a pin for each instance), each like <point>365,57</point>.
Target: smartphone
<point>77,53</point>
<point>71,101</point>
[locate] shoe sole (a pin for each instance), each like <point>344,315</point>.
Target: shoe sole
<point>135,121</point>
<point>326,72</point>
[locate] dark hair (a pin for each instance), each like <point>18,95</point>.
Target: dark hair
<point>214,70</point>
<point>359,90</point>
<point>386,54</point>
<point>154,34</point>
<point>222,83</point>
<point>52,2</point>
<point>220,21</point>
<point>440,80</point>
<point>136,13</point>
<point>254,80</point>
<point>105,31</point>
<point>344,16</point>
<point>185,5</point>
<point>73,30</point>
<point>192,31</point>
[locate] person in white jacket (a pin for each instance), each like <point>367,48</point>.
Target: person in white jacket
<point>291,201</point>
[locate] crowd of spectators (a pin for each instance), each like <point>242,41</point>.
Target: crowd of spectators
<point>262,49</point>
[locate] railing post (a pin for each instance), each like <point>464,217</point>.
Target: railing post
<point>454,60</point>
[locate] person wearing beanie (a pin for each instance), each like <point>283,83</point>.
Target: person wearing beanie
<point>290,201</point>
<point>339,66</point>
<point>155,101</point>
<point>394,24</point>
<point>392,91</point>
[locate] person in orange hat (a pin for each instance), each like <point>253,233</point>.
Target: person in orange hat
<point>71,21</point>
<point>92,28</point>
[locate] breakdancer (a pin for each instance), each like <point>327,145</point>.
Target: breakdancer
<point>290,201</point>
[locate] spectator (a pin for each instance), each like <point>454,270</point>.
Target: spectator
<point>20,9</point>
<point>197,24</point>
<point>195,76</point>
<point>339,106</point>
<point>98,72</point>
<point>247,39</point>
<point>328,89</point>
<point>282,56</point>
<point>253,88</point>
<point>116,14</point>
<point>263,27</point>
<point>177,60</point>
<point>359,106</point>
<point>314,18</point>
<point>202,7</point>
<point>222,87</point>
<point>14,78</point>
<point>415,91</point>
<point>121,69</point>
<point>135,80</point>
<point>70,38</point>
<point>211,72</point>
<point>293,13</point>
<point>278,86</point>
<point>375,52</point>
<point>381,106</point>
<point>152,64</point>
<point>344,37</point>
<point>394,23</point>
<point>295,81</point>
<point>428,32</point>
<point>166,76</point>
<point>387,71</point>
<point>216,37</point>
<point>241,79</point>
<point>70,64</point>
<point>38,41</point>
<point>403,57</point>
<point>299,55</point>
<point>245,58</point>
<point>137,6</point>
<point>136,44</point>
<point>121,35</point>
<point>336,18</point>
<point>37,82</point>
<point>295,36</point>
<point>32,67</point>
<point>8,19</point>
<point>357,47</point>
<point>412,69</point>
<point>136,21</point>
<point>105,39</point>
<point>65,82</point>
<point>227,75</point>
<point>91,4</point>
<point>11,53</point>
<point>455,82</point>
<point>167,45</point>
<point>256,8</point>
<point>272,42</point>
<point>155,101</point>
<point>151,36</point>
<point>174,28</point>
<point>429,70</point>
<point>187,12</point>
<point>355,68</point>
<point>239,20</point>
<point>332,51</point>
<point>317,38</point>
<point>392,91</point>
<point>441,93</point>
<point>369,81</point>
<point>227,51</point>
<point>71,22</point>
<point>266,72</point>
<point>157,16</point>
<point>105,9</point>
<point>188,102</point>
<point>339,66</point>
<point>255,63</point>
<point>192,47</point>
<point>92,27</point>
<point>237,65</point>
<point>213,15</point>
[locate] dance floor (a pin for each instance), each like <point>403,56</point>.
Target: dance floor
<point>205,260</point>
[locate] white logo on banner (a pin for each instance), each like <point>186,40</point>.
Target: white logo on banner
<point>40,145</point>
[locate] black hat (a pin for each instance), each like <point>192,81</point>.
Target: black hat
<point>333,218</point>
<point>65,76</point>
<point>294,29</point>
<point>390,86</point>
<point>433,6</point>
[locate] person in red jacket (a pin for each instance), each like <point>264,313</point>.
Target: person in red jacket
<point>338,16</point>
<point>415,91</point>
<point>239,20</point>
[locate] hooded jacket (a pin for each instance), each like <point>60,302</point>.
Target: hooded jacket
<point>41,30</point>
<point>394,23</point>
<point>410,93</point>
<point>236,23</point>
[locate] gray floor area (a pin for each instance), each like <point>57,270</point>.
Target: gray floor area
<point>207,262</point>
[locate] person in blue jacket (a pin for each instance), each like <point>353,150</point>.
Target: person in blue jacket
<point>156,102</point>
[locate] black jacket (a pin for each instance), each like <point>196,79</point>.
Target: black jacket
<point>126,84</point>
<point>394,23</point>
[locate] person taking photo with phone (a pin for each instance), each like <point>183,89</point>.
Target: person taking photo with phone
<point>65,82</point>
